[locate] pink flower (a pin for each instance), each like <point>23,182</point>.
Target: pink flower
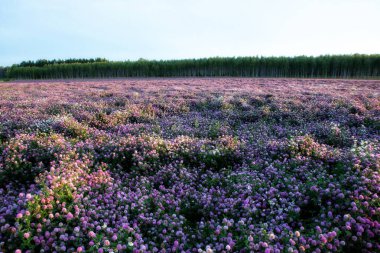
<point>26,235</point>
<point>79,249</point>
<point>91,234</point>
<point>19,216</point>
<point>323,239</point>
<point>18,251</point>
<point>69,216</point>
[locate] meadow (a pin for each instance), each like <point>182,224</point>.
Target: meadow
<point>190,165</point>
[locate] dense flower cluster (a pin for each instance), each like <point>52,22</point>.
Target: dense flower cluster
<point>190,165</point>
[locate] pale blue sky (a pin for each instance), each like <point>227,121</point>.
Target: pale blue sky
<point>172,29</point>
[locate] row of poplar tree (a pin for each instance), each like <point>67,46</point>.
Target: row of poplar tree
<point>326,66</point>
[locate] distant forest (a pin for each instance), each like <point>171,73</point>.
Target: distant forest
<point>325,66</point>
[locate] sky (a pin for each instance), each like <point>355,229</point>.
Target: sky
<point>175,29</point>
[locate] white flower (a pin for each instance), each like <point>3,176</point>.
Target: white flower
<point>346,217</point>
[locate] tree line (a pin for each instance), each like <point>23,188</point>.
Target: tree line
<point>325,66</point>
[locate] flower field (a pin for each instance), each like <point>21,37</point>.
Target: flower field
<point>190,165</point>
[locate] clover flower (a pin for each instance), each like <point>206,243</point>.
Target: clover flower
<point>91,234</point>
<point>290,170</point>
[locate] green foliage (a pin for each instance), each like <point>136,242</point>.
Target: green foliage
<point>72,128</point>
<point>214,130</point>
<point>191,209</point>
<point>372,123</point>
<point>218,154</point>
<point>335,135</point>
